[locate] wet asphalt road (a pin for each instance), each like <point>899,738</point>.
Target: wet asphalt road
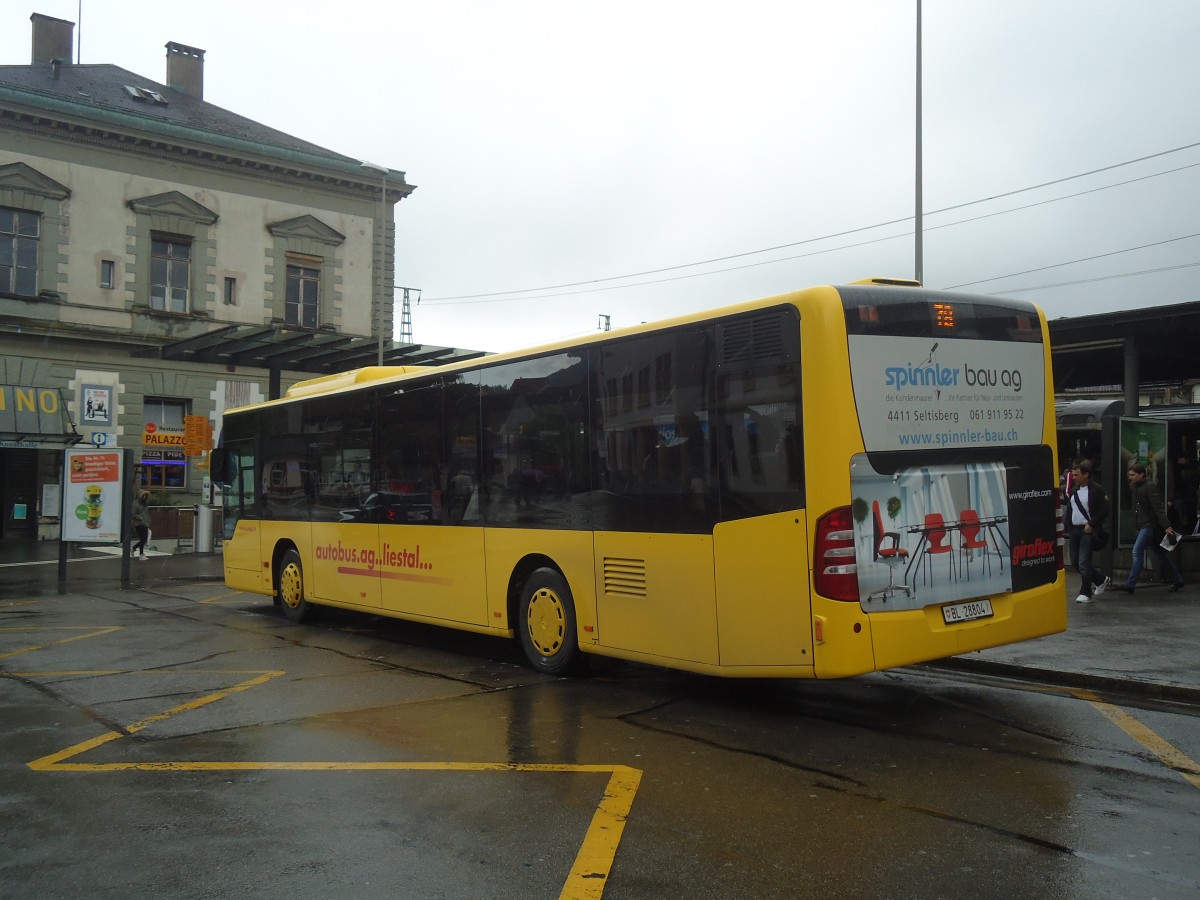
<point>182,740</point>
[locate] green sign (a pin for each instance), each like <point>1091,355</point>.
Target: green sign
<point>1142,441</point>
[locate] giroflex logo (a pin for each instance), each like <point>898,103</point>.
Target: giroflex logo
<point>1033,553</point>
<point>931,374</point>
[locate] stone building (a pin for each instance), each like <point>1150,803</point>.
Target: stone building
<point>160,258</point>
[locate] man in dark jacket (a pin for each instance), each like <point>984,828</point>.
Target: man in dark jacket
<point>1087,511</point>
<point>1149,515</point>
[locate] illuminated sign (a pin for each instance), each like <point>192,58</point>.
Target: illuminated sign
<point>154,435</point>
<point>943,315</point>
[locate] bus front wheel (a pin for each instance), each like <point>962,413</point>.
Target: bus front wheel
<point>547,623</point>
<point>291,588</point>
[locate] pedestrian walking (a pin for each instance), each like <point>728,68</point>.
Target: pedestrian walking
<point>1150,519</point>
<point>1088,505</point>
<point>141,523</point>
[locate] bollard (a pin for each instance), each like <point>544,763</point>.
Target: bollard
<point>202,532</point>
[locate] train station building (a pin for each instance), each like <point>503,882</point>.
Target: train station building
<point>163,259</point>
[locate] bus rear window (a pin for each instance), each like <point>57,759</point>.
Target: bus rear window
<point>915,312</point>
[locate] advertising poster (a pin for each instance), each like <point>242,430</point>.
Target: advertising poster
<point>91,494</point>
<point>918,393</point>
<point>1142,441</point>
<point>944,533</point>
<point>96,405</point>
<point>931,534</point>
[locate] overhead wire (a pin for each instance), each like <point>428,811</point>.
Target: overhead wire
<point>592,290</point>
<point>1043,287</point>
<point>507,296</point>
<point>953,287</point>
<point>851,246</point>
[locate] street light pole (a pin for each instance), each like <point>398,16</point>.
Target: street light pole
<point>380,280</point>
<point>918,224</point>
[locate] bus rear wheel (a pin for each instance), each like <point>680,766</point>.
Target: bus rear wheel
<point>290,594</point>
<point>546,623</point>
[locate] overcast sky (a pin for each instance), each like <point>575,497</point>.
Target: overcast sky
<point>571,143</point>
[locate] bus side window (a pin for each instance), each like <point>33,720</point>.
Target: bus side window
<point>535,455</point>
<point>762,468</point>
<point>652,433</point>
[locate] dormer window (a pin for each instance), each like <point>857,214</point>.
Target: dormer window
<point>145,94</point>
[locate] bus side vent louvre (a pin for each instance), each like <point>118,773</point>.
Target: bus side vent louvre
<point>626,577</point>
<point>757,340</point>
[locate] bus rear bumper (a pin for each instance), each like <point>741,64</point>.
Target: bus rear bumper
<point>911,636</point>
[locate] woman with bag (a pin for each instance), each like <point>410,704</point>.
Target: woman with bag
<point>1087,508</point>
<point>1148,514</point>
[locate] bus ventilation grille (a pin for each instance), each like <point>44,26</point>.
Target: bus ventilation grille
<point>749,341</point>
<point>625,576</point>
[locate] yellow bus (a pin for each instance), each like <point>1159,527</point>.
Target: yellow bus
<point>815,485</point>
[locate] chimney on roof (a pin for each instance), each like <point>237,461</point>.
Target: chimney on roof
<point>185,69</point>
<point>52,40</point>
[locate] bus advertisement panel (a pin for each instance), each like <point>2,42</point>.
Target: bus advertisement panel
<point>918,393</point>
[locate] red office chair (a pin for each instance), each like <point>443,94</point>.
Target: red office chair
<point>972,540</point>
<point>893,555</point>
<point>938,542</point>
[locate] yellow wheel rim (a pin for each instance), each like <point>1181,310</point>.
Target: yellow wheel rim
<point>547,622</point>
<point>291,585</point>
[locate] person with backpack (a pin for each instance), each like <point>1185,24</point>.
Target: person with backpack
<point>1087,507</point>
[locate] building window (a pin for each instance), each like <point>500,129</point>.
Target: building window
<point>164,465</point>
<point>170,273</point>
<point>108,270</point>
<point>303,294</point>
<point>19,233</point>
<point>230,291</point>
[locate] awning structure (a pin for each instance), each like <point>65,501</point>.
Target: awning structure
<point>280,347</point>
<point>26,440</point>
<point>32,417</point>
<point>1153,345</point>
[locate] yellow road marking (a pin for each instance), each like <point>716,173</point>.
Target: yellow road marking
<point>1168,753</point>
<point>79,637</point>
<point>589,872</point>
<point>226,596</point>
<point>54,760</point>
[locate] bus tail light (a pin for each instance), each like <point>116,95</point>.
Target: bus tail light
<point>1060,534</point>
<point>836,569</point>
